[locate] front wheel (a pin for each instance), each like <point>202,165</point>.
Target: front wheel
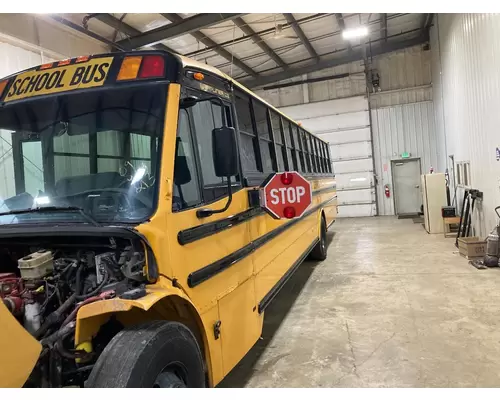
<point>157,354</point>
<point>319,252</point>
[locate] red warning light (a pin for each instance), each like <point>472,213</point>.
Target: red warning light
<point>286,178</point>
<point>289,212</point>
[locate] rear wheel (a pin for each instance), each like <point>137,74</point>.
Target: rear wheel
<point>156,354</point>
<point>319,252</point>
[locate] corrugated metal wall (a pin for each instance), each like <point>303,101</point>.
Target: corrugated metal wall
<point>466,55</point>
<point>354,85</point>
<point>405,77</point>
<point>398,129</point>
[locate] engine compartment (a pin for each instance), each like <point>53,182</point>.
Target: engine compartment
<point>43,283</point>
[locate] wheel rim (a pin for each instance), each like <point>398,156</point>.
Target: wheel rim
<point>169,379</point>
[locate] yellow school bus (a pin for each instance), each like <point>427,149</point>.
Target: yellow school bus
<point>134,251</point>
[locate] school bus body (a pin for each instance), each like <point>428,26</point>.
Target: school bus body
<point>216,275</point>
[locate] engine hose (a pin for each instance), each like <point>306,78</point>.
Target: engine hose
<point>59,346</point>
<point>61,333</point>
<point>55,316</point>
<point>97,289</point>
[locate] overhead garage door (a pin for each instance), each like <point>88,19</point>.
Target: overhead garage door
<point>345,124</point>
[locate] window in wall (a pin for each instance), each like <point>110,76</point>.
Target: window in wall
<point>186,185</point>
<point>248,141</point>
<point>266,145</point>
<point>278,138</point>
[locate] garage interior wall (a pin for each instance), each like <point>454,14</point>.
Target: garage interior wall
<point>402,120</point>
<point>467,99</point>
<point>402,115</point>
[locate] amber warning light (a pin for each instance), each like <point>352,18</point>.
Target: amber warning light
<point>137,67</point>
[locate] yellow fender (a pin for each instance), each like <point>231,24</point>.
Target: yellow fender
<point>19,351</point>
<point>92,316</point>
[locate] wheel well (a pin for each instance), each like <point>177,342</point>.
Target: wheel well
<point>170,308</point>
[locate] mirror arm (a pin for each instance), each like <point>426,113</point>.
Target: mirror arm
<point>206,212</point>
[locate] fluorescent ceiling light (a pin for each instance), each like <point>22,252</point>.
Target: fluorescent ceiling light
<point>355,33</point>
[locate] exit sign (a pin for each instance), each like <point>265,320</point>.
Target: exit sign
<point>405,155</point>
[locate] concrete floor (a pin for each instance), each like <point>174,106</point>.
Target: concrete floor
<point>391,307</point>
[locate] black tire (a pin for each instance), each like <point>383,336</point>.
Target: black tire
<point>153,354</point>
<point>319,252</point>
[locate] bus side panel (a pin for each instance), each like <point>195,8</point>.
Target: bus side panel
<point>292,244</point>
<point>241,323</point>
<point>215,367</point>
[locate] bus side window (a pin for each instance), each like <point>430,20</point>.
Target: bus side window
<point>206,117</point>
<point>186,186</point>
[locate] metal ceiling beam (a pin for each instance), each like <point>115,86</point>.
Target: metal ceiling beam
<point>341,24</point>
<point>176,18</point>
<point>81,29</point>
<point>260,42</point>
<point>269,30</point>
<point>356,55</point>
<point>121,26</point>
<point>427,23</point>
<point>383,26</point>
<point>176,29</point>
<point>300,33</point>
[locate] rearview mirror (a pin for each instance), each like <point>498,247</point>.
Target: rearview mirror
<point>225,152</point>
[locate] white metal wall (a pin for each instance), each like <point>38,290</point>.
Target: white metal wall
<point>468,100</point>
<point>345,124</point>
<point>397,129</point>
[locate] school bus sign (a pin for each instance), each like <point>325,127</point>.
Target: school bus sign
<point>286,195</point>
<point>61,79</point>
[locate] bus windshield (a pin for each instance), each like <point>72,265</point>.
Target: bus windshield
<point>95,152</point>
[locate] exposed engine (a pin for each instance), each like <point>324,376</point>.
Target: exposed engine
<point>47,287</point>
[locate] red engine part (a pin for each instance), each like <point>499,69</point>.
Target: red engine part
<point>14,304</point>
<point>10,284</point>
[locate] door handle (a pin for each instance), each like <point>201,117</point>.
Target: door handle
<point>399,164</point>
<point>417,186</point>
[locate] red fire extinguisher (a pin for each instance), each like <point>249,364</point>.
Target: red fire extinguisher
<point>387,191</point>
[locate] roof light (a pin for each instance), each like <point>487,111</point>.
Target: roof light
<point>152,67</point>
<point>3,85</point>
<point>355,33</point>
<point>82,59</point>
<point>64,62</point>
<point>46,66</point>
<point>129,68</point>
<point>198,76</point>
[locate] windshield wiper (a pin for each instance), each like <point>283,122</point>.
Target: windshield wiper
<point>85,215</point>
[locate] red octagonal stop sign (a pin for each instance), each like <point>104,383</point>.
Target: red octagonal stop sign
<point>286,195</point>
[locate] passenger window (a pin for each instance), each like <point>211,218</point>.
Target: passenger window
<point>186,186</point>
<point>248,140</point>
<point>266,145</point>
<point>206,117</point>
<point>292,155</point>
<point>278,138</point>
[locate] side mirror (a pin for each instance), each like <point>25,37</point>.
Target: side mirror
<point>225,152</point>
